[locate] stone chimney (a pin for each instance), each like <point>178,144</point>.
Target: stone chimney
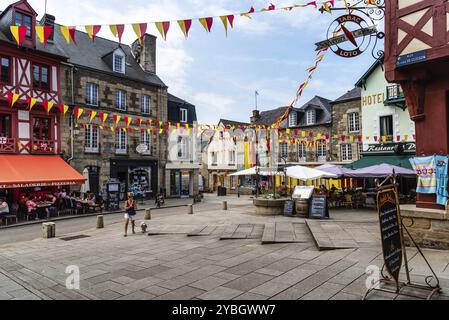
<point>255,117</point>
<point>49,20</point>
<point>145,53</point>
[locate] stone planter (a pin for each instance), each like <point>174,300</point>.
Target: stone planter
<point>269,207</point>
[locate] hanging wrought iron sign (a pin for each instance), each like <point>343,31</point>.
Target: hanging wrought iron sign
<point>350,35</point>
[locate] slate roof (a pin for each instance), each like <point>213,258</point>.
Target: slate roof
<point>232,123</point>
<point>267,118</point>
<point>90,54</point>
<point>354,94</point>
<point>174,106</point>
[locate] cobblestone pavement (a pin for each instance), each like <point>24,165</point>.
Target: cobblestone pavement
<point>213,254</point>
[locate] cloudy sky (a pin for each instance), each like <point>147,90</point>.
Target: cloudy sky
<point>220,74</point>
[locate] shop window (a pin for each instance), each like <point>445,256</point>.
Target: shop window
<point>42,129</point>
<point>91,143</point>
<point>92,94</point>
<point>41,77</point>
<point>302,153</point>
<point>354,122</point>
<point>145,104</point>
<point>346,152</point>
<point>386,127</point>
<point>121,100</point>
<point>5,126</point>
<point>5,70</point>
<point>24,20</point>
<point>121,142</point>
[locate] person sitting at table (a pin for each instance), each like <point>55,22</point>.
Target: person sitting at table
<point>333,189</point>
<point>31,206</point>
<point>283,190</point>
<point>4,208</point>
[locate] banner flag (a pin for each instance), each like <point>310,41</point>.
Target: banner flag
<point>185,26</point>
<point>117,30</point>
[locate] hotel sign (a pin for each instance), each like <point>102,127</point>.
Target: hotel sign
<point>409,147</point>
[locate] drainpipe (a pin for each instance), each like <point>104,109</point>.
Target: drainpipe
<point>72,67</point>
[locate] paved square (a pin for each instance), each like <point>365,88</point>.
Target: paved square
<point>186,257</point>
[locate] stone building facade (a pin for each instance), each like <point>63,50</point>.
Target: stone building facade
<point>118,80</point>
<point>347,122</point>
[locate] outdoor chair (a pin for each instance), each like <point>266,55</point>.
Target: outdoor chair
<point>12,216</point>
<point>348,202</point>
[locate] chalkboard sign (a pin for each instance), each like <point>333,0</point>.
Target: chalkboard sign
<point>289,208</point>
<point>390,230</point>
<point>318,208</point>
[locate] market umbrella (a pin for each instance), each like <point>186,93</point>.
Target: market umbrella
<point>305,173</point>
<point>338,170</point>
<point>380,171</point>
<point>86,186</point>
<point>262,172</point>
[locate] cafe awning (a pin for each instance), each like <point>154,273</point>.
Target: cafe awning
<point>368,161</point>
<point>26,171</point>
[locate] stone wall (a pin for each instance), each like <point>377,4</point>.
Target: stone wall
<point>340,127</point>
<point>108,86</point>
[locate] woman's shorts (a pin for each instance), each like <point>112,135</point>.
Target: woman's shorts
<point>128,217</point>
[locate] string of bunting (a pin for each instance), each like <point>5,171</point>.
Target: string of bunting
<point>69,32</point>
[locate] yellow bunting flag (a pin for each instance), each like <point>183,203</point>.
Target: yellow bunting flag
<point>31,103</point>
<point>163,28</point>
<point>406,137</point>
<point>44,33</point>
<point>207,23</point>
<point>117,31</point>
<point>303,134</point>
<point>13,98</point>
<point>104,117</point>
<point>224,19</point>
<point>93,114</point>
<point>79,113</point>
<point>139,30</point>
<point>65,109</point>
<point>19,33</point>
<point>185,26</point>
<point>117,120</point>
<point>319,136</point>
<point>92,31</point>
<point>128,121</point>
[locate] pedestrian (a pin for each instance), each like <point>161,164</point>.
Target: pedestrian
<point>130,208</point>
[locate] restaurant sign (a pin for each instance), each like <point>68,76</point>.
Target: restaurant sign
<point>38,184</point>
<point>408,147</point>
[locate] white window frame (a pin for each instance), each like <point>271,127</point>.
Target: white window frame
<point>360,149</point>
<point>91,140</point>
<point>302,153</point>
<point>346,152</point>
<point>231,158</point>
<point>92,94</point>
<point>121,142</point>
<point>145,104</point>
<point>283,150</point>
<point>392,126</point>
<point>145,138</point>
<point>120,100</point>
<point>118,68</point>
<point>354,122</point>
<point>184,115</point>
<point>293,119</point>
<point>183,145</point>
<point>310,117</point>
<point>321,150</point>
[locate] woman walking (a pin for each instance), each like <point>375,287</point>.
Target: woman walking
<point>130,208</point>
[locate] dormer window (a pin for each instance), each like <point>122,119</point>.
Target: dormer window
<point>119,62</point>
<point>293,119</point>
<point>24,20</point>
<point>310,117</point>
<point>183,115</point>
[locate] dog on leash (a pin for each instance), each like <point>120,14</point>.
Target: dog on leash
<point>144,227</point>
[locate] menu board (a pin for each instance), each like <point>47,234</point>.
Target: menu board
<point>392,246</point>
<point>318,208</point>
<point>303,192</point>
<point>289,208</point>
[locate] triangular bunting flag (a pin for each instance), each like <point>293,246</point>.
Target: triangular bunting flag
<point>128,121</point>
<point>103,117</point>
<point>185,26</point>
<point>117,30</point>
<point>12,99</point>
<point>68,33</point>
<point>231,20</point>
<point>139,30</point>
<point>224,19</point>
<point>19,33</point>
<point>31,102</point>
<point>93,114</point>
<point>92,31</point>
<point>163,28</point>
<point>252,10</point>
<point>48,105</point>
<point>207,23</point>
<point>44,33</point>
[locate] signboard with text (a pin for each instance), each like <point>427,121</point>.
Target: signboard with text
<point>390,230</point>
<point>318,208</point>
<point>408,147</point>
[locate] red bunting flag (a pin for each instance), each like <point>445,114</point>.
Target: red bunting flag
<point>19,33</point>
<point>328,136</point>
<point>92,31</point>
<point>376,138</point>
<point>139,30</point>
<point>48,105</point>
<point>44,33</point>
<point>185,26</point>
<point>163,28</point>
<point>207,23</point>
<point>117,30</point>
<point>12,99</point>
<point>231,20</point>
<point>343,138</point>
<point>69,33</point>
<point>360,138</point>
<point>128,121</point>
<point>252,10</point>
<point>139,122</point>
<point>311,134</point>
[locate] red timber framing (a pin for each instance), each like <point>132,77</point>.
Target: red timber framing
<point>419,29</point>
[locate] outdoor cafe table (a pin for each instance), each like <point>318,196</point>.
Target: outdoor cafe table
<point>41,209</point>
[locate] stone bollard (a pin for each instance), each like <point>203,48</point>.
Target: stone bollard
<point>190,209</point>
<point>48,230</point>
<point>225,205</point>
<point>100,222</point>
<point>147,214</point>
